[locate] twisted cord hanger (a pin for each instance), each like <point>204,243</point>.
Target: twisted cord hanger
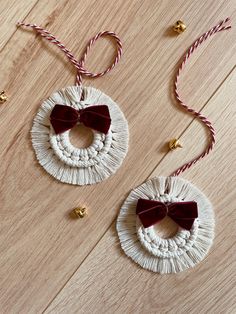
<point>79,64</point>
<point>221,26</point>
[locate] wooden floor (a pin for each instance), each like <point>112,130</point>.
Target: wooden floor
<point>51,263</point>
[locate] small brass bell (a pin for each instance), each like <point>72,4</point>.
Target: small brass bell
<point>179,27</point>
<point>173,144</point>
<point>3,97</point>
<point>80,212</point>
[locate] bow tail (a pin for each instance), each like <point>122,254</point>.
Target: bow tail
<point>63,118</point>
<point>183,213</point>
<point>184,223</point>
<point>96,117</point>
<point>150,212</point>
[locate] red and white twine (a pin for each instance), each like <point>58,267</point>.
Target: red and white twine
<point>221,26</point>
<point>79,64</point>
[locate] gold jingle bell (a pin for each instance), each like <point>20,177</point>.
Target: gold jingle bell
<point>3,97</point>
<point>175,143</point>
<point>80,212</point>
<point>179,27</point>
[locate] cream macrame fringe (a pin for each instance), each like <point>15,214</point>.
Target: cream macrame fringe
<point>145,247</point>
<point>86,165</point>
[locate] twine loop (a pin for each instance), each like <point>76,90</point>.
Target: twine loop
<point>80,64</point>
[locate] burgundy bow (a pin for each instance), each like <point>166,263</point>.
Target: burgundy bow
<point>64,118</point>
<point>150,212</point>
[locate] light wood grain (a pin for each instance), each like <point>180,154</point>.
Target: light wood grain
<point>41,247</point>
<point>11,11</point>
<point>108,281</point>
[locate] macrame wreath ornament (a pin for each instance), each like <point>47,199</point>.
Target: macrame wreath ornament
<point>186,248</point>
<point>79,165</point>
<point>176,198</point>
<point>76,105</point>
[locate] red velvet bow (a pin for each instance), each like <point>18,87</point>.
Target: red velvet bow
<point>150,212</point>
<point>64,118</point>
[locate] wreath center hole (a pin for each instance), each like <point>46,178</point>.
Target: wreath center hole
<point>166,228</point>
<point>81,136</point>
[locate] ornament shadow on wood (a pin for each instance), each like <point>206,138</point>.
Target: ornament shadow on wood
<point>53,148</point>
<point>174,197</point>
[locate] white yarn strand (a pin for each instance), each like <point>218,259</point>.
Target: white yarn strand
<point>80,166</point>
<point>178,253</point>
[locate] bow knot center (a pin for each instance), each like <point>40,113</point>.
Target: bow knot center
<point>151,212</point>
<point>96,117</point>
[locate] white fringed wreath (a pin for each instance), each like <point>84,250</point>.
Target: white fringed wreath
<point>80,165</point>
<point>175,254</point>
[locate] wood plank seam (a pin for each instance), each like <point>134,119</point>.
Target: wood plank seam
<point>28,13</point>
